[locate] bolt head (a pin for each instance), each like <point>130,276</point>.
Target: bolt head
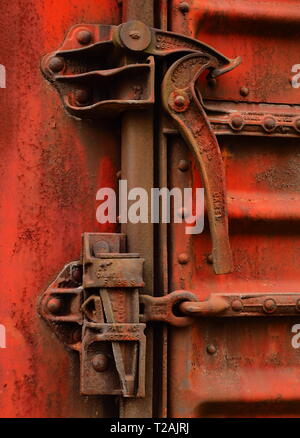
<point>82,96</point>
<point>211,349</point>
<point>100,362</point>
<point>77,274</point>
<point>135,35</point>
<point>179,101</point>
<point>237,122</point>
<point>244,91</point>
<point>56,64</point>
<point>54,305</point>
<point>269,123</point>
<point>84,37</point>
<point>269,305</point>
<point>183,258</point>
<point>184,7</point>
<point>237,305</point>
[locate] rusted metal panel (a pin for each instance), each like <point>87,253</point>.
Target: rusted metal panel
<point>52,166</point>
<point>235,366</point>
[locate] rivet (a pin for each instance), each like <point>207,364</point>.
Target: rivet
<point>56,64</point>
<point>269,123</point>
<point>100,363</point>
<point>237,122</point>
<point>183,258</point>
<point>179,101</point>
<point>82,96</point>
<point>211,349</point>
<point>77,274</point>
<point>237,305</point>
<point>183,165</point>
<point>54,305</point>
<point>269,305</point>
<point>84,37</point>
<point>210,259</point>
<point>135,34</point>
<point>244,91</point>
<point>184,7</point>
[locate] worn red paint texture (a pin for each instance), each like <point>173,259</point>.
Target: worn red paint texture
<point>51,167</point>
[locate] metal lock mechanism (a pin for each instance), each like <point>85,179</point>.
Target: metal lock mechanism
<point>93,306</point>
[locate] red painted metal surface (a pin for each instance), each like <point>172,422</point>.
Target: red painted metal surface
<point>51,167</point>
<point>234,367</point>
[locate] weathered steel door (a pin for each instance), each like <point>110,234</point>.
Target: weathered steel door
<point>244,365</point>
<point>213,104</point>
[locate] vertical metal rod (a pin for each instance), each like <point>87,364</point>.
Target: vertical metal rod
<point>137,168</point>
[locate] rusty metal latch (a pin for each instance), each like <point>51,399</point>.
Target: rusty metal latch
<point>103,70</point>
<point>93,307</point>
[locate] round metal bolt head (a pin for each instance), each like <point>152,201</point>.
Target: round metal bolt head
<point>244,91</point>
<point>237,122</point>
<point>54,305</point>
<point>269,305</point>
<point>269,123</point>
<point>135,35</point>
<point>84,37</point>
<point>100,362</point>
<point>56,64</point>
<point>183,258</point>
<point>184,7</point>
<point>77,273</point>
<point>82,96</point>
<point>183,165</point>
<point>211,349</point>
<point>237,305</point>
<point>179,101</point>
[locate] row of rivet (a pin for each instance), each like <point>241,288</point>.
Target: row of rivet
<point>269,123</point>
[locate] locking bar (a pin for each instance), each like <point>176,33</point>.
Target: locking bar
<point>182,308</point>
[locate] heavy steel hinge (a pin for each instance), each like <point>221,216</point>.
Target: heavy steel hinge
<point>103,70</point>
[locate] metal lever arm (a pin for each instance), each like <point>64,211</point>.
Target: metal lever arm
<point>182,103</point>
